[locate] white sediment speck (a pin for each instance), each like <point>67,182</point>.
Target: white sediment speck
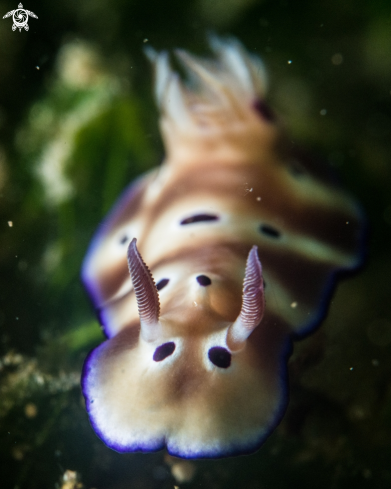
<point>183,471</point>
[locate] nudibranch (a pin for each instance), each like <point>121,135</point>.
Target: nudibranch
<point>209,266</point>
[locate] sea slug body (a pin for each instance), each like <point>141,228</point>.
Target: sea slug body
<point>209,266</point>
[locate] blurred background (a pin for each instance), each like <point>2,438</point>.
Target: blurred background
<point>78,123</point>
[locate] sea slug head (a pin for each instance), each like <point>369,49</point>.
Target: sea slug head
<point>205,391</point>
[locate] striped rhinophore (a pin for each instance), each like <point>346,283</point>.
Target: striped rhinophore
<point>208,267</point>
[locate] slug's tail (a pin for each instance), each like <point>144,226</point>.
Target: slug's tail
<point>219,98</point>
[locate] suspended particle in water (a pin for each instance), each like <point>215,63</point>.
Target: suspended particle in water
<point>337,59</point>
<point>30,410</point>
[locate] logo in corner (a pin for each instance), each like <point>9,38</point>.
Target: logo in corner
<point>20,17</point>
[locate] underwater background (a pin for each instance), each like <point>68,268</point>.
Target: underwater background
<point>77,123</point>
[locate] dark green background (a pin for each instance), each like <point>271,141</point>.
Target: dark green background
<point>337,431</point>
